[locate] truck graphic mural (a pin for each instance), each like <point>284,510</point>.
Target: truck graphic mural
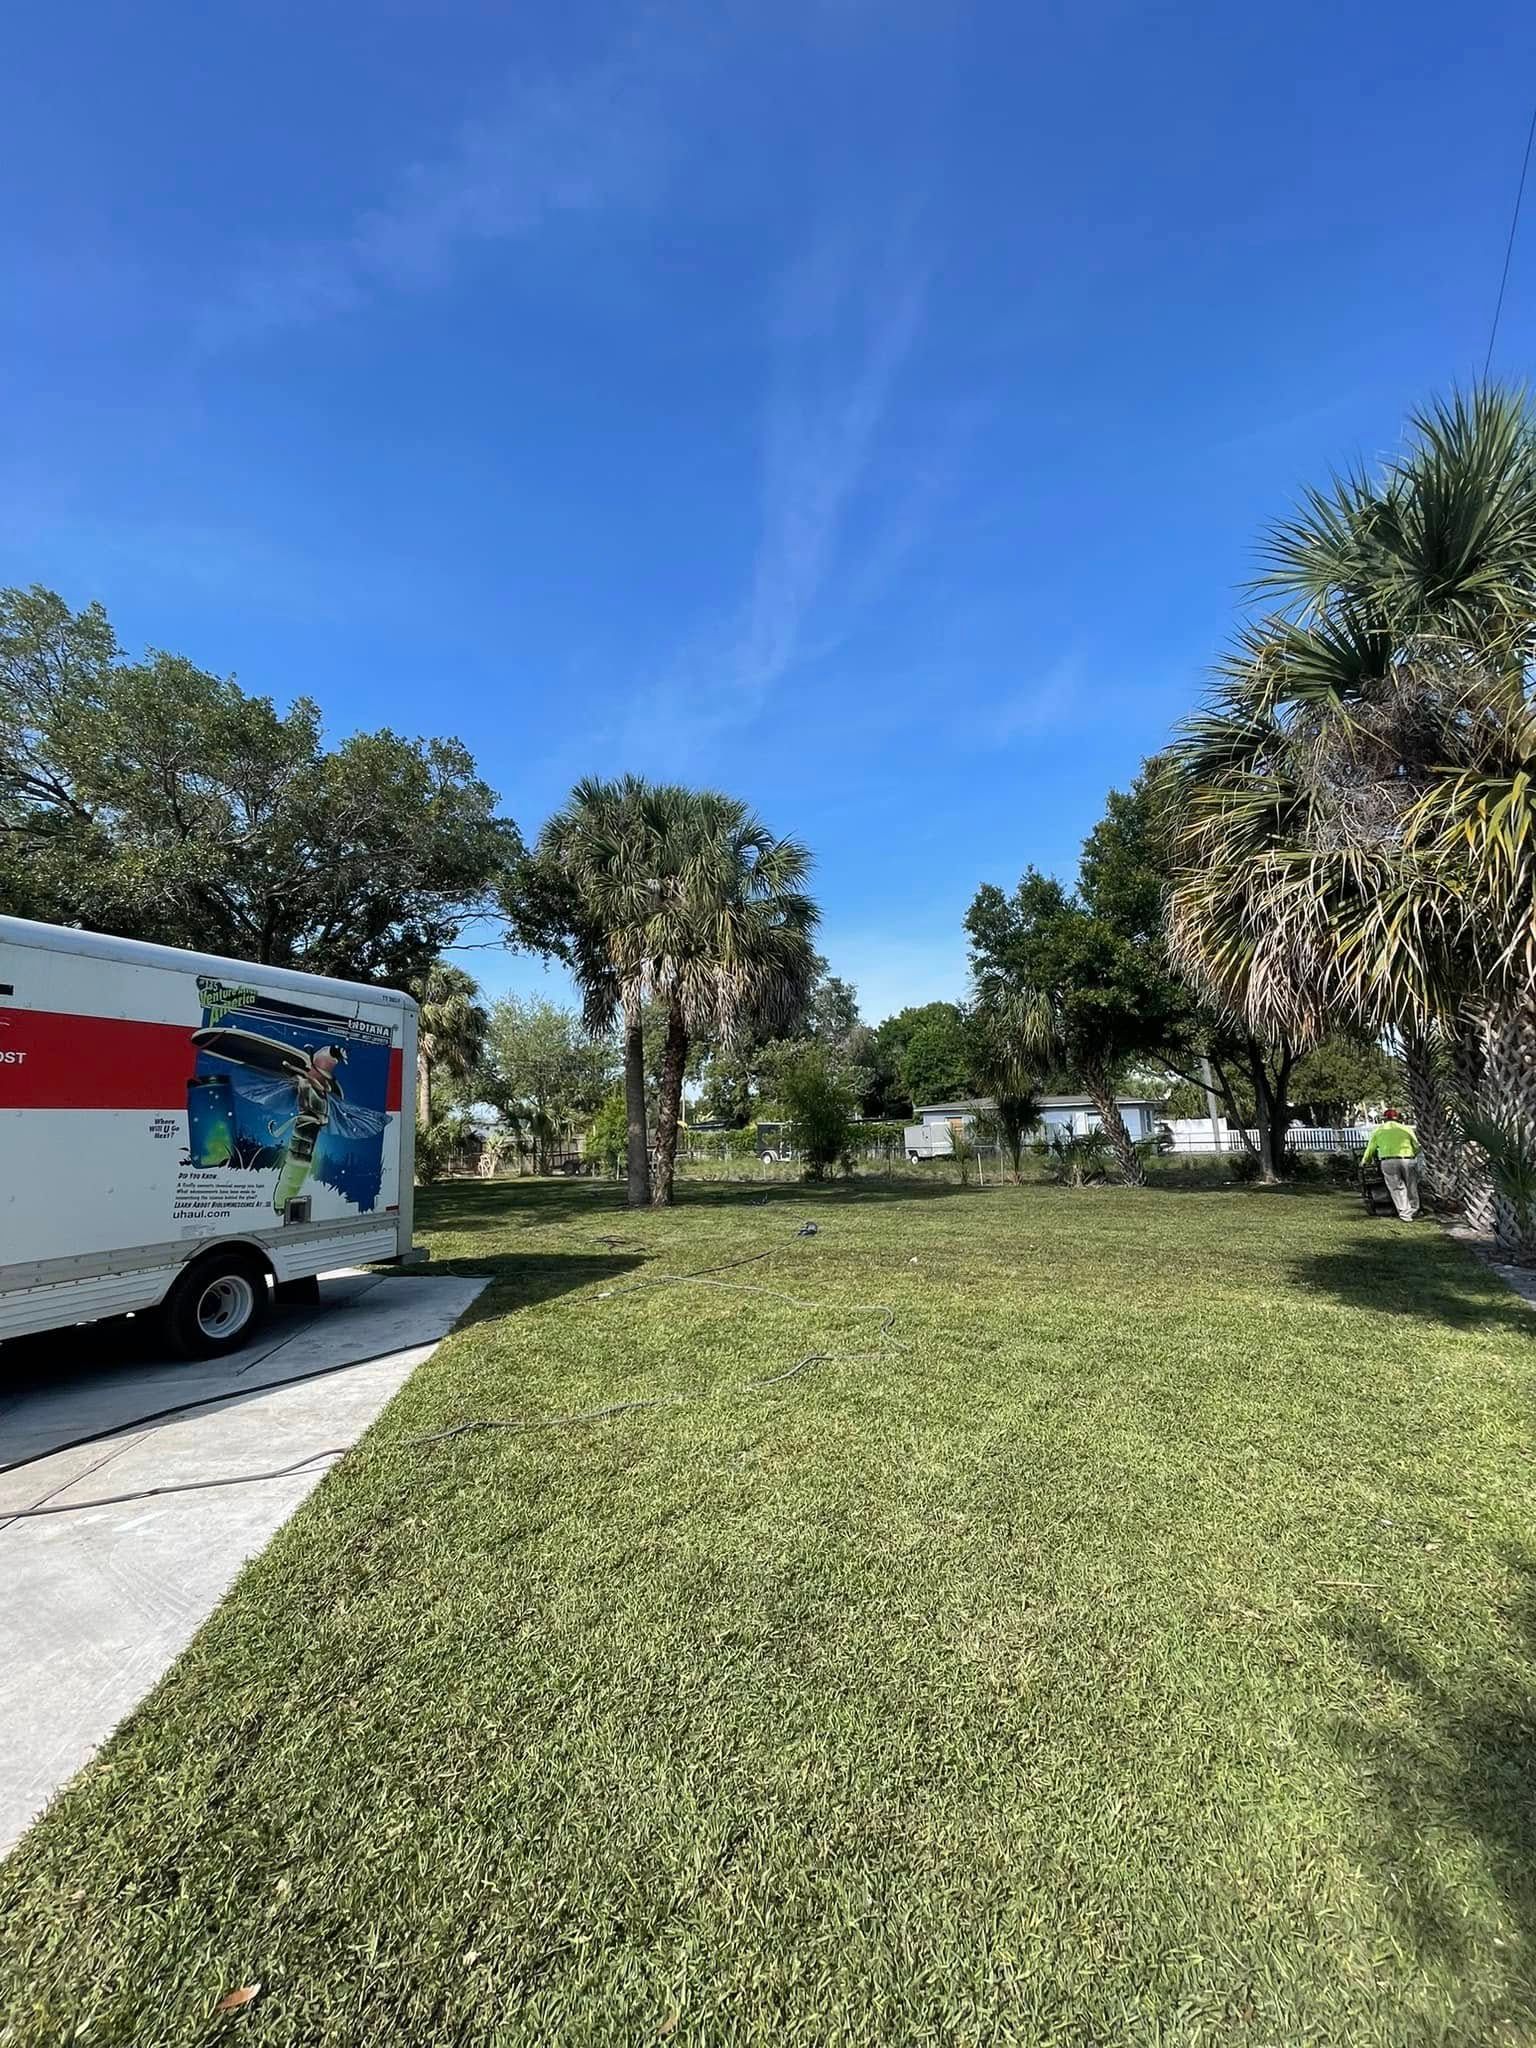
<point>284,1087</point>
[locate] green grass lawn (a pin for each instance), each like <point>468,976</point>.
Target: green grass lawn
<point>1141,1653</point>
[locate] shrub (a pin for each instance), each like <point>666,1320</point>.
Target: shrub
<point>501,1144</point>
<point>962,1141</point>
<point>1338,1169</point>
<point>437,1148</point>
<point>1243,1167</point>
<point>1074,1161</point>
<point>818,1101</point>
<point>1508,1143</point>
<point>608,1132</point>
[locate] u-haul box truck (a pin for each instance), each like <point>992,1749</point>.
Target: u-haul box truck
<point>182,1133</point>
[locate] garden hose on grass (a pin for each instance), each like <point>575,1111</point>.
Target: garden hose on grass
<point>704,1276</point>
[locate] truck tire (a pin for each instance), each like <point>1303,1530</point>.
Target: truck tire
<point>217,1305</point>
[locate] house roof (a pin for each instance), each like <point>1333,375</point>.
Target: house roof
<point>1046,1102</point>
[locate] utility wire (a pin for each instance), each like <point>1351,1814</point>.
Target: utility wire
<point>1509,246</point>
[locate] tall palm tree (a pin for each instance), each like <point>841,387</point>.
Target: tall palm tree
<point>1297,916</point>
<point>450,1030</point>
<point>1389,686</point>
<point>1238,808</point>
<point>591,892</point>
<point>728,939</point>
<point>1474,835</point>
<point>1418,743</point>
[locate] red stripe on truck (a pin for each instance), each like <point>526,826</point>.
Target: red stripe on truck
<point>51,1059</point>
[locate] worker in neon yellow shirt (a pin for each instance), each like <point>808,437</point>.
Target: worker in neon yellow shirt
<point>1396,1145</point>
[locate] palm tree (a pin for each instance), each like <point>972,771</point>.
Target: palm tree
<point>728,941</point>
<point>1357,858</point>
<point>1013,1082</point>
<point>590,893</point>
<point>1427,744</point>
<point>1239,808</point>
<point>1051,1030</point>
<point>1295,913</point>
<point>450,1033</point>
<point>1474,837</point>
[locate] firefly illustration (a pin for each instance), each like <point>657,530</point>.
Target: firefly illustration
<point>304,1082</point>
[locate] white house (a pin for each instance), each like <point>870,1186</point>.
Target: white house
<point>1065,1115</point>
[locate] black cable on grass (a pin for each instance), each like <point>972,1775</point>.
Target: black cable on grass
<point>699,1273</point>
<point>703,1276</point>
<point>436,1436</point>
<point>296,1379</point>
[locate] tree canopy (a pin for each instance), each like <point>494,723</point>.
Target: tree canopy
<point>1113,1004</point>
<point>542,1069</point>
<point>156,800</point>
<point>941,1070</point>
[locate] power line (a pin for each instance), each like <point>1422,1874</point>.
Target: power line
<point>1509,246</point>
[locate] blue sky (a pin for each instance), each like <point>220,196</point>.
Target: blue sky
<point>869,409</point>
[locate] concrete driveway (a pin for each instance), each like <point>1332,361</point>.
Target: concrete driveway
<point>99,1601</point>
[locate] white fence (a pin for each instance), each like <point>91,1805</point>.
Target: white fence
<point>1195,1134</point>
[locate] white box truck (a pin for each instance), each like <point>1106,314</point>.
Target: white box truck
<point>185,1134</point>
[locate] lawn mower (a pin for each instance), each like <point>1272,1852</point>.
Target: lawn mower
<point>1374,1191</point>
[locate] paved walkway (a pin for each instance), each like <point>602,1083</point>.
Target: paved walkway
<point>98,1603</point>
<point>1521,1279</point>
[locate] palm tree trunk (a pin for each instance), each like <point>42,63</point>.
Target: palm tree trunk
<point>1509,1094</point>
<point>637,1154</point>
<point>423,1090</point>
<point>670,1107</point>
<point>1440,1153</point>
<point>1101,1093</point>
<point>1468,1074</point>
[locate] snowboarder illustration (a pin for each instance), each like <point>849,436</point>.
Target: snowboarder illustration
<point>303,1080</point>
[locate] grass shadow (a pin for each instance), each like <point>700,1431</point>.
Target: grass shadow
<point>863,1188</point>
<point>1417,1277</point>
<point>1208,1176</point>
<point>1457,1768</point>
<point>105,1378</point>
<point>522,1280</point>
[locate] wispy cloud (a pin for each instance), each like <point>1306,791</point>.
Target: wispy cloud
<point>821,430</point>
<point>1077,694</point>
<point>1048,703</point>
<point>548,148</point>
<point>843,329</point>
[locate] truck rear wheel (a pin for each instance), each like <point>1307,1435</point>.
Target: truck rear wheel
<point>216,1305</point>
